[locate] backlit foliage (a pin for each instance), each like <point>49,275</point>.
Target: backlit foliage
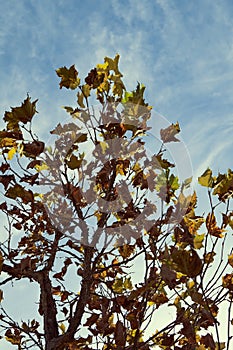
<point>185,261</point>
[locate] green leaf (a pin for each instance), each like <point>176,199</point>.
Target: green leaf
<point>69,77</point>
<point>136,96</point>
<point>174,182</point>
<point>206,178</point>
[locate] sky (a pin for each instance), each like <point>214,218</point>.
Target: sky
<point>182,51</point>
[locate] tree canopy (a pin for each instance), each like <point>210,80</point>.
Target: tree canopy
<point>101,220</point>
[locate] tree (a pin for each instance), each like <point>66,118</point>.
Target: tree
<point>90,207</point>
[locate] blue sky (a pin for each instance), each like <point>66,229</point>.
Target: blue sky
<point>181,50</point>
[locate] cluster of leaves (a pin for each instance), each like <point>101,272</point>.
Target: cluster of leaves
<point>105,307</point>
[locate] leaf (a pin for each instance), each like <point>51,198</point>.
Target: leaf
<point>206,178</point>
<point>62,327</point>
<point>187,262</point>
<point>193,222</point>
<point>59,130</point>
<point>227,281</point>
<point>118,86</point>
<point>69,77</point>
<point>86,90</point>
<point>94,79</point>
<point>198,240</point>
<point>13,337</point>
<point>112,64</point>
<point>168,134</point>
<point>209,257</point>
<point>23,114</point>
<point>11,153</point>
<point>126,250</point>
<point>91,320</point>
<point>17,191</point>
<point>33,149</point>
<point>161,162</point>
<point>208,341</point>
<point>230,260</point>
<point>118,285</point>
<point>80,99</point>
<point>174,182</point>
<point>223,185</point>
<point>77,195</point>
<point>4,167</point>
<point>103,146</point>
<point>212,227</point>
<point>74,162</point>
<point>7,142</point>
<point>33,163</point>
<point>168,276</point>
<point>6,180</point>
<point>41,167</point>
<point>64,295</point>
<point>158,299</point>
<point>128,284</point>
<point>120,334</point>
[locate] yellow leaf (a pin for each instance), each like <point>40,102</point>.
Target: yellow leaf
<point>110,320</point>
<point>11,153</point>
<point>98,214</point>
<point>206,178</point>
<point>198,239</point>
<point>136,167</point>
<point>190,284</point>
<point>86,90</point>
<point>102,66</point>
<point>40,195</point>
<point>118,285</point>
<point>41,167</point>
<point>103,146</point>
<point>62,328</point>
<point>113,63</point>
<point>80,100</point>
<point>179,275</point>
<point>193,222</point>
<point>7,141</point>
<point>230,259</point>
